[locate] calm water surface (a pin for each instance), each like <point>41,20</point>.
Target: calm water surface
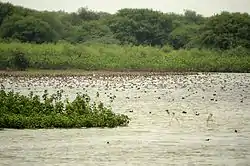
<point>169,122</point>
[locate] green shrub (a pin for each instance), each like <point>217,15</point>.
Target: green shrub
<point>97,56</point>
<point>13,58</point>
<point>19,112</point>
<point>238,51</point>
<point>20,61</point>
<point>167,48</point>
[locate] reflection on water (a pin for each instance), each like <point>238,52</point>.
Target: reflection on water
<point>169,126</point>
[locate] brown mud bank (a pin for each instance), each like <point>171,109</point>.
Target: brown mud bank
<point>61,73</point>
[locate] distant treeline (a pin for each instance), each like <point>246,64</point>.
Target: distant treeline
<point>126,27</point>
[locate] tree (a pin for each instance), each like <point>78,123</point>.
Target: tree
<point>83,14</point>
<point>6,9</point>
<point>182,35</point>
<point>89,31</point>
<point>141,26</point>
<point>123,29</point>
<point>54,22</point>
<point>27,29</point>
<point>87,15</point>
<point>226,30</point>
<point>19,60</point>
<point>192,17</point>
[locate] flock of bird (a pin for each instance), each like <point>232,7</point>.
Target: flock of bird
<point>169,87</point>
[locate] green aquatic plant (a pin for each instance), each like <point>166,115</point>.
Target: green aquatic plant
<point>20,112</point>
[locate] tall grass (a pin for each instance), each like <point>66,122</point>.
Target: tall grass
<point>118,58</point>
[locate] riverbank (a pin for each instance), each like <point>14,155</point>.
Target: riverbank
<point>74,72</point>
<point>115,58</point>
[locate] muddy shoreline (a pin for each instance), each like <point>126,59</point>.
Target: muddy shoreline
<point>60,73</point>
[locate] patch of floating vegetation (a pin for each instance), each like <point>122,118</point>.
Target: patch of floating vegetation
<point>30,112</point>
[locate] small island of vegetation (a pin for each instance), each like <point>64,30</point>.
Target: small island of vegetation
<point>29,112</point>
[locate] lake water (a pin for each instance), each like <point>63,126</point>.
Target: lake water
<point>170,123</point>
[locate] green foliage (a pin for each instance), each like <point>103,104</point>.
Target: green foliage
<point>123,29</point>
<point>191,17</point>
<point>82,15</point>
<point>167,48</point>
<point>53,20</point>
<point>239,51</point>
<point>127,26</point>
<point>19,112</point>
<point>141,26</point>
<point>93,56</point>
<point>27,29</point>
<point>87,15</point>
<point>226,30</point>
<point>19,60</point>
<point>90,31</point>
<point>135,30</point>
<point>182,35</point>
<point>6,9</point>
<point>13,58</point>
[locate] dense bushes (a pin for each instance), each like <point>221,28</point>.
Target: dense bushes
<point>14,59</point>
<point>115,57</point>
<point>27,29</point>
<point>135,39</point>
<point>19,60</point>
<point>226,31</point>
<point>127,26</point>
<point>18,111</point>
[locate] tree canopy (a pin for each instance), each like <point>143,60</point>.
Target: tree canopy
<point>127,26</point>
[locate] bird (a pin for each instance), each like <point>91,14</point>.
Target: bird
<point>167,111</point>
<point>209,118</point>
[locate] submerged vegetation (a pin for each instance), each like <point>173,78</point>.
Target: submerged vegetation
<point>130,39</point>
<point>30,112</point>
